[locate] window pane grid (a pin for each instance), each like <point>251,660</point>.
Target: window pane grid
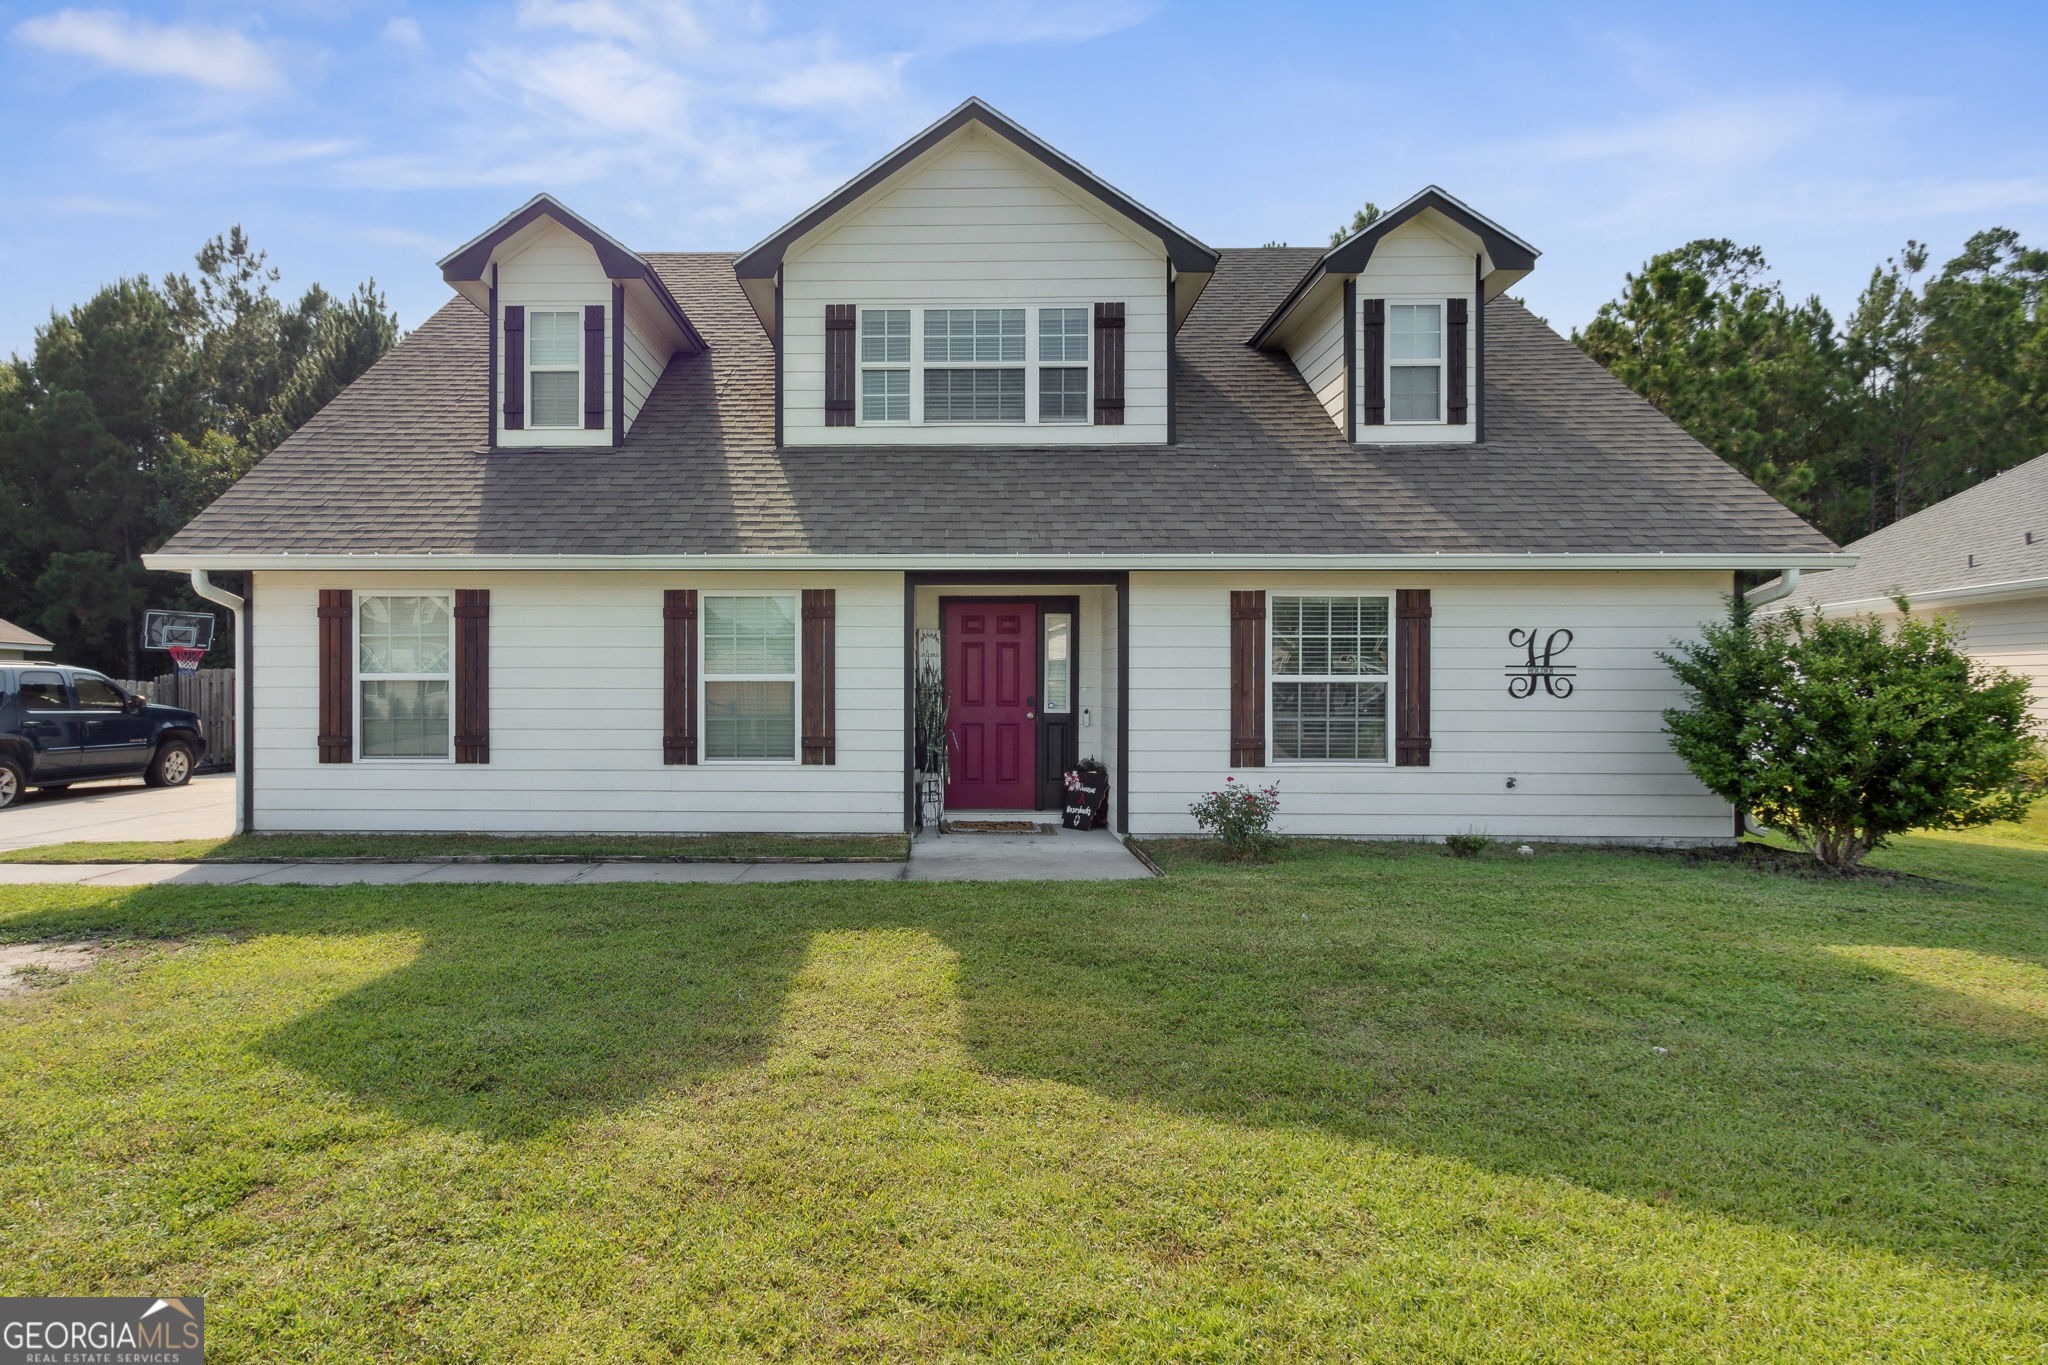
<point>885,395</point>
<point>974,335</point>
<point>1413,393</point>
<point>1330,662</point>
<point>554,362</point>
<point>1063,334</point>
<point>404,653</point>
<point>885,336</point>
<point>750,720</point>
<point>1040,358</point>
<point>1415,331</point>
<point>1062,395</point>
<point>750,652</point>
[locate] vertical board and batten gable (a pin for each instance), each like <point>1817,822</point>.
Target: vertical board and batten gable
<point>552,268</point>
<point>974,222</point>
<point>576,716</point>
<point>1593,766</point>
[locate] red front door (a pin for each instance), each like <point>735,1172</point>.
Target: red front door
<point>992,704</point>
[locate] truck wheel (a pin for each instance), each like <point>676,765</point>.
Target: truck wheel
<point>13,781</point>
<point>172,766</point>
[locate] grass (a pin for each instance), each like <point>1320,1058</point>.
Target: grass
<point>1371,1104</point>
<point>681,848</point>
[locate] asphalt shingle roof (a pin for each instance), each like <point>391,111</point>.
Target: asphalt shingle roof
<point>1972,540</point>
<point>11,634</point>
<point>1573,462</point>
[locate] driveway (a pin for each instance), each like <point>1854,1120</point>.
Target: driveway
<point>203,808</point>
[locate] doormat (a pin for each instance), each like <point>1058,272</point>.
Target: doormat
<point>996,827</point>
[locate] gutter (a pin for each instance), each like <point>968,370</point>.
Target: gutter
<point>1977,592</point>
<point>968,564</point>
<point>1787,584</point>
<point>244,761</point>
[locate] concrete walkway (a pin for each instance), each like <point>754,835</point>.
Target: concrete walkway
<point>1070,855</point>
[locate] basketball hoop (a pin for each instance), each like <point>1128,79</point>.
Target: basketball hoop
<point>186,657</point>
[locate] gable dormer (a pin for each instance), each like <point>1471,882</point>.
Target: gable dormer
<point>1388,327</point>
<point>975,287</point>
<point>581,327</point>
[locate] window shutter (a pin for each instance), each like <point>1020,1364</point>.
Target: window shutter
<point>1109,364</point>
<point>679,676</point>
<point>337,676</point>
<point>1247,679</point>
<point>1411,678</point>
<point>593,367</point>
<point>472,675</point>
<point>1374,363</point>
<point>515,367</point>
<point>839,366</point>
<point>1454,363</point>
<point>820,676</point>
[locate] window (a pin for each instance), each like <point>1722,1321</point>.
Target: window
<point>405,651</point>
<point>750,679</point>
<point>97,694</point>
<point>1011,366</point>
<point>554,364</point>
<point>1415,362</point>
<point>1329,678</point>
<point>44,692</point>
<point>1059,668</point>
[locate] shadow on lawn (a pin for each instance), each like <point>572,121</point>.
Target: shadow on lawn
<point>1413,1002</point>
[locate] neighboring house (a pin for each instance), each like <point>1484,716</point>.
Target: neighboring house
<point>652,541</point>
<point>1980,557</point>
<point>16,643</point>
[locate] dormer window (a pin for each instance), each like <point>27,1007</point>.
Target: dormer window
<point>1415,362</point>
<point>947,366</point>
<point>554,365</point>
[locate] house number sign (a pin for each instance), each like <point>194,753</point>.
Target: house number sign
<point>1539,665</point>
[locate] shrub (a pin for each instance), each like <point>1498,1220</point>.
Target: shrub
<point>1470,844</point>
<point>1241,819</point>
<point>1842,733</point>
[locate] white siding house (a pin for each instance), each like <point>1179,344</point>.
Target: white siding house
<point>1349,521</point>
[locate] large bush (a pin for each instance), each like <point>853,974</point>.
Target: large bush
<point>1841,733</point>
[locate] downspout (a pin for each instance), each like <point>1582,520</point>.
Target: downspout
<point>203,585</point>
<point>1787,584</point>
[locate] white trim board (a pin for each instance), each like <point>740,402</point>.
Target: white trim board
<point>970,564</point>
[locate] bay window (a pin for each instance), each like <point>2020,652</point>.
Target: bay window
<point>949,366</point>
<point>1331,664</point>
<point>750,678</point>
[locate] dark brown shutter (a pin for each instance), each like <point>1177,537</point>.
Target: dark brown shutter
<point>820,676</point>
<point>1109,364</point>
<point>515,367</point>
<point>593,367</point>
<point>1411,678</point>
<point>337,676</point>
<point>1373,364</point>
<point>1454,387</point>
<point>1247,679</point>
<point>679,676</point>
<point>472,675</point>
<point>839,366</point>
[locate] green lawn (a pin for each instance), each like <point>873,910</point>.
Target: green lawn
<point>680,848</point>
<point>1368,1104</point>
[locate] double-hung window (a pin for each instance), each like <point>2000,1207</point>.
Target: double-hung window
<point>1415,362</point>
<point>947,366</point>
<point>750,662</point>
<point>554,367</point>
<point>405,652</point>
<point>1330,668</point>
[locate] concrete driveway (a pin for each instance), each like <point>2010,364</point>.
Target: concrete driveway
<point>203,808</point>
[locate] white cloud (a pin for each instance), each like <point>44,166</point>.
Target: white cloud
<point>405,32</point>
<point>218,58</point>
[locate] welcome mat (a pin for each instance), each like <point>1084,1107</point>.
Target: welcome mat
<point>996,827</point>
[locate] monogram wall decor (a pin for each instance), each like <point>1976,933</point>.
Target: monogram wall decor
<point>1539,666</point>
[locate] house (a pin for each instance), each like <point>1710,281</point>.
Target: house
<point>1980,557</point>
<point>646,541</point>
<point>19,643</point>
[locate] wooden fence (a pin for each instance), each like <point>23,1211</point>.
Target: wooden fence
<point>210,692</point>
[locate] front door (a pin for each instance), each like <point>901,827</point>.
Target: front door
<point>992,704</point>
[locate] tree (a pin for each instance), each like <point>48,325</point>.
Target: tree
<point>1716,346</point>
<point>1841,733</point>
<point>138,407</point>
<point>1360,221</point>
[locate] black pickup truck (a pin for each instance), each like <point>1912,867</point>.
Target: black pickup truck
<point>60,725</point>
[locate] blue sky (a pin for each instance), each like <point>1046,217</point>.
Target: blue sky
<point>354,138</point>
